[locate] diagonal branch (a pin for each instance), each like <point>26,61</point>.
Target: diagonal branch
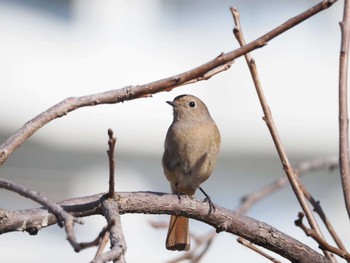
<point>320,240</point>
<point>301,169</point>
<point>57,210</point>
<point>343,106</point>
<point>254,248</point>
<point>318,209</point>
<point>54,208</point>
<point>268,118</point>
<point>146,90</point>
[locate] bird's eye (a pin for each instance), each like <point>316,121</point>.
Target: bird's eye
<point>192,104</point>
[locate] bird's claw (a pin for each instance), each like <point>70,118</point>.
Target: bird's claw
<point>212,207</point>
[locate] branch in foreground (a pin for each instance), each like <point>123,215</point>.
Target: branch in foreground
<point>146,90</point>
<point>268,118</point>
<point>110,211</point>
<point>57,211</point>
<point>320,240</point>
<point>222,219</point>
<point>303,168</point>
<point>344,158</point>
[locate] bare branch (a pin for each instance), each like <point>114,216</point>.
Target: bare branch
<point>320,240</point>
<point>57,210</point>
<point>111,144</point>
<point>319,164</point>
<point>110,211</point>
<point>211,73</point>
<point>98,239</point>
<point>146,90</point>
<point>318,209</point>
<point>301,169</point>
<point>254,248</point>
<point>102,245</point>
<point>343,106</point>
<point>222,219</point>
<point>268,118</point>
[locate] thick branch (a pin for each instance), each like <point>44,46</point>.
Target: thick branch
<point>146,90</point>
<point>57,210</point>
<point>343,106</point>
<point>158,203</point>
<point>110,211</point>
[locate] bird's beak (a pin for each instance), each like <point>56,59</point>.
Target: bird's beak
<point>171,103</point>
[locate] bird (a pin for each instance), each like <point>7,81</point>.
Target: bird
<point>191,149</point>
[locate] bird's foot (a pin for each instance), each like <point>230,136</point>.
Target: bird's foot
<point>208,199</point>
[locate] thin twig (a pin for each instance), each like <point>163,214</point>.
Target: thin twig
<point>110,210</point>
<point>98,240</point>
<point>102,245</point>
<point>287,167</point>
<point>301,169</point>
<point>250,245</point>
<point>319,164</point>
<point>343,106</point>
<point>146,90</point>
<point>111,144</point>
<point>318,209</point>
<point>210,74</point>
<point>319,239</point>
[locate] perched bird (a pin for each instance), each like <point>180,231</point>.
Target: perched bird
<point>191,148</point>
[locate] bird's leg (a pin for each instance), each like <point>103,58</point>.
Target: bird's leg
<point>208,199</point>
<point>178,193</point>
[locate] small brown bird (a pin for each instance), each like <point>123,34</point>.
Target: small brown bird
<point>191,148</point>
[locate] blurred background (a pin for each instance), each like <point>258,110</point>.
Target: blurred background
<point>51,50</point>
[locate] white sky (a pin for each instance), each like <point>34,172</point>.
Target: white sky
<point>45,58</point>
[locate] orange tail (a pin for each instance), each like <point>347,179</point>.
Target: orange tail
<point>178,237</point>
